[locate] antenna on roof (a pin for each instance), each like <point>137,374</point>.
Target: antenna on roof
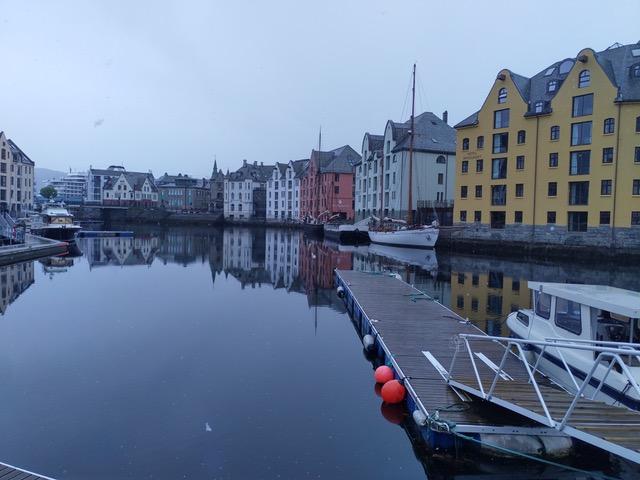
<point>320,139</point>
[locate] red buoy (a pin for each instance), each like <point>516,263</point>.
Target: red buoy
<point>383,374</point>
<point>393,392</point>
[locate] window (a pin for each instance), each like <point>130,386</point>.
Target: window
<point>463,191</point>
<point>480,142</point>
<point>440,159</point>
<point>577,222</point>
<point>635,218</point>
<point>465,166</point>
<point>501,118</point>
<point>440,179</point>
<point>584,79</point>
<point>543,305</point>
<point>465,144</point>
<point>336,189</point>
<point>555,132</point>
<point>461,278</point>
<point>552,189</point>
<point>460,301</point>
<point>500,142</point>
<point>522,137</point>
<point>517,216</point>
<point>498,219</point>
<point>582,105</point>
<point>499,168</point>
<point>538,107</point>
<point>637,124</point>
<point>568,315</point>
<point>478,191</point>
<point>502,95</point>
<point>519,190</point>
<point>578,193</point>
<point>551,218</point>
<point>553,160</point>
<point>477,216</point>
<point>498,195</point>
<point>609,126</point>
<point>605,187</point>
<point>607,155</point>
<point>581,133</point>
<point>463,215</point>
<point>479,166</point>
<point>636,187</point>
<point>635,70</point>
<point>552,86</point>
<point>520,162</point>
<point>605,218</point>
<point>636,158</point>
<point>579,162</point>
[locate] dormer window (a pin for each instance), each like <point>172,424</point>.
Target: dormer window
<point>552,86</point>
<point>537,107</point>
<point>584,79</point>
<point>502,95</point>
<point>635,71</point>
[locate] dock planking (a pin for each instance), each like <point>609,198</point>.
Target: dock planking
<point>407,323</point>
<point>9,472</point>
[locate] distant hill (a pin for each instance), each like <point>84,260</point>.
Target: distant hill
<point>43,174</point>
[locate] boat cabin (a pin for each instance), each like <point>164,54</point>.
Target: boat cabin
<point>57,216</point>
<point>580,312</point>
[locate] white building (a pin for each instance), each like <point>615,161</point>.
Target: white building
<point>16,178</point>
<point>72,188</point>
<point>245,191</point>
<point>283,190</point>
<point>382,178</point>
<point>281,257</point>
<point>97,179</point>
<point>130,189</point>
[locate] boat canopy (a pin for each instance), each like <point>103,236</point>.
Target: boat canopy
<point>57,212</point>
<point>612,299</point>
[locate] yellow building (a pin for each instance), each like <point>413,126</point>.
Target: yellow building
<point>555,158</point>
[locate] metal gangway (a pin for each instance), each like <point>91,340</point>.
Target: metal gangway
<point>496,369</point>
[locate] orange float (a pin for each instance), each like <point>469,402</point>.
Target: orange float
<point>393,392</point>
<point>383,374</point>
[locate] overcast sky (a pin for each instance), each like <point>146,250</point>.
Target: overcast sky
<point>166,85</point>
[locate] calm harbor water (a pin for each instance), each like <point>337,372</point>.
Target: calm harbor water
<point>195,353</point>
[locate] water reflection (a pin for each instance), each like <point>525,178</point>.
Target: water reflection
<point>179,327</point>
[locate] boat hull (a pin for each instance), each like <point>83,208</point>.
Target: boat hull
<point>350,236</point>
<point>65,234</point>
<point>413,238</point>
<point>313,230</point>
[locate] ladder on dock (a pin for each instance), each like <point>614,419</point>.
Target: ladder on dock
<point>496,369</point>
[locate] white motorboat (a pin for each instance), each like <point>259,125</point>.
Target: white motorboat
<point>54,222</point>
<point>573,327</point>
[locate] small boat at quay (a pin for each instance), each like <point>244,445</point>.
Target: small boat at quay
<point>584,332</point>
<point>348,233</point>
<point>416,236</point>
<point>54,222</point>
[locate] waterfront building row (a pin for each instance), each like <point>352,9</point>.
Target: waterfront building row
<point>555,158</point>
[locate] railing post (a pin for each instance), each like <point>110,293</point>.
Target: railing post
<point>523,359</point>
<point>495,379</point>
<point>475,368</point>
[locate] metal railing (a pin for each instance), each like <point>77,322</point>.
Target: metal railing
<point>611,352</point>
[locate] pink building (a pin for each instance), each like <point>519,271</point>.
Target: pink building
<point>327,184</point>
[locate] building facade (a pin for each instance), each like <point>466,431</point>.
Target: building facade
<point>97,178</point>
<point>382,178</point>
<point>283,190</point>
<point>216,193</point>
<point>16,178</point>
<point>72,188</point>
<point>327,185</point>
<point>131,189</point>
<point>555,158</point>
<point>183,193</point>
<point>245,191</point>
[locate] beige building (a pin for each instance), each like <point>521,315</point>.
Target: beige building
<point>16,178</point>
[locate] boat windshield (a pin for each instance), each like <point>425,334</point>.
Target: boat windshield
<point>613,327</point>
<point>543,305</point>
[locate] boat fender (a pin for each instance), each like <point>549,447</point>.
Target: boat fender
<point>369,342</point>
<point>557,447</point>
<point>383,374</point>
<point>340,291</point>
<point>419,418</point>
<point>393,392</point>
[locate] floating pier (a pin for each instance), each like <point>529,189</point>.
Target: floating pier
<point>9,472</point>
<point>462,383</point>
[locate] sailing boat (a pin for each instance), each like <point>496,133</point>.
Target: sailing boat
<point>403,233</point>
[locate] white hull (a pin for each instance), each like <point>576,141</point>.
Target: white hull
<point>425,237</point>
<point>412,256</point>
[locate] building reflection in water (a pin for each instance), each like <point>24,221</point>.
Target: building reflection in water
<point>14,281</point>
<point>119,251</point>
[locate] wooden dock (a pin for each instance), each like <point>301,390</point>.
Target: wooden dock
<point>420,338</point>
<point>8,472</point>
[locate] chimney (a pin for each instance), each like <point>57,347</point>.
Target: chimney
<point>255,163</point>
<point>244,162</point>
<point>262,164</point>
<point>445,117</point>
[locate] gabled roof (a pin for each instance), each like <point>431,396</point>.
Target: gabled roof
<point>134,179</point>
<point>299,166</point>
<point>338,160</point>
<point>375,142</point>
<point>18,154</point>
<point>251,171</point>
<point>471,120</point>
<point>432,134</point>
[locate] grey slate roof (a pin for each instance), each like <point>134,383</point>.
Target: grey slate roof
<point>339,160</point>
<point>135,179</point>
<point>252,171</point>
<point>299,166</point>
<point>18,154</point>
<point>375,142</point>
<point>616,61</point>
<point>432,134</point>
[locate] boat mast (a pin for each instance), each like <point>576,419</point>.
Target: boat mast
<point>413,104</point>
